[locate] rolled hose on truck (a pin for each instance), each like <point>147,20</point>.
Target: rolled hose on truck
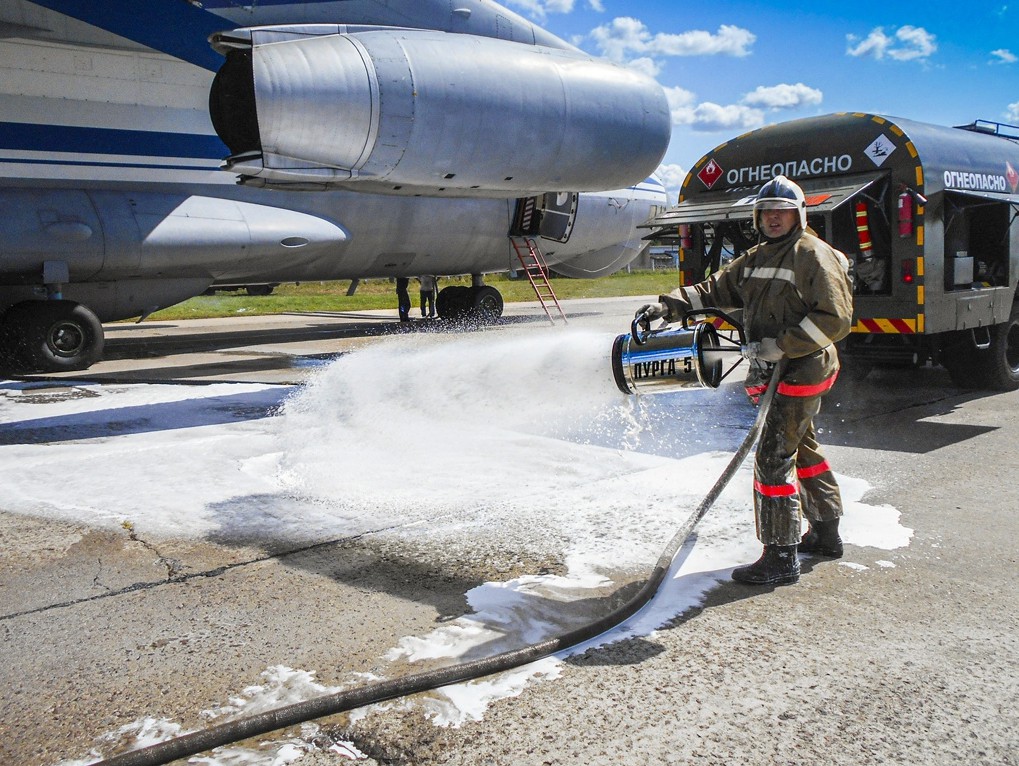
<point>341,702</point>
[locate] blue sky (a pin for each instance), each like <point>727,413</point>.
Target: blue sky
<point>732,66</point>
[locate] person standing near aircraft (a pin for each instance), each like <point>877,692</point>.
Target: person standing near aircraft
<point>796,297</point>
<point>427,295</point>
<point>403,298</point>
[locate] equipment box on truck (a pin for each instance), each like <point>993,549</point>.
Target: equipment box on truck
<point>926,214</point>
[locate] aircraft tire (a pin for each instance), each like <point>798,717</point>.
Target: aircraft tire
<point>53,336</point>
<point>453,302</point>
<point>486,303</point>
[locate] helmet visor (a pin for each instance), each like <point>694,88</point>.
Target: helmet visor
<point>775,204</point>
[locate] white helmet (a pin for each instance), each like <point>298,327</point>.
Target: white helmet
<point>780,193</point>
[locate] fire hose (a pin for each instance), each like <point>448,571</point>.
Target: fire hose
<point>343,701</point>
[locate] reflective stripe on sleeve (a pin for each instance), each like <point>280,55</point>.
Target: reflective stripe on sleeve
<point>814,332</point>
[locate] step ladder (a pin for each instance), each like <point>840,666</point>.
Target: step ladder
<point>537,274</point>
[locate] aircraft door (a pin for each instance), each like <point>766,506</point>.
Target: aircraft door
<point>558,215</point>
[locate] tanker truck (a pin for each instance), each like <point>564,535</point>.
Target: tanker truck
<point>927,215</point>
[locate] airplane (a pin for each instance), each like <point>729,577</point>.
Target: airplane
<point>149,150</point>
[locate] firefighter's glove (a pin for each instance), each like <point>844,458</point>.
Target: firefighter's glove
<point>764,350</point>
<point>652,311</point>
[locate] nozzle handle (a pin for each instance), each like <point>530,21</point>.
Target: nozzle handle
<point>640,328</point>
<point>721,315</point>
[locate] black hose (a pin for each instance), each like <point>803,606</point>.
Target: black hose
<point>340,702</point>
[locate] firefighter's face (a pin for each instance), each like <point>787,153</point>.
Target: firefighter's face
<point>778,222</point>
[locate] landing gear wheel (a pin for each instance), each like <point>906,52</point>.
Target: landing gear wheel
<point>52,336</point>
<point>453,302</point>
<point>487,303</point>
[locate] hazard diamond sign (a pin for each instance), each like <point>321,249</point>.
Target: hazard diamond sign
<point>710,173</point>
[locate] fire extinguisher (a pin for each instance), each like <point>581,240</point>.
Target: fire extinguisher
<point>863,231</point>
<point>905,214</point>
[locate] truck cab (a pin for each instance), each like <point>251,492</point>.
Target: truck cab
<point>926,214</point>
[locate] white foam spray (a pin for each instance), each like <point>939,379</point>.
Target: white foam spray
<point>518,439</point>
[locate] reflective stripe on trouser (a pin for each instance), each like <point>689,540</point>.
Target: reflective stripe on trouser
<point>791,476</point>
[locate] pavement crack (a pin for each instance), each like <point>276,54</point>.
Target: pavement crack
<point>174,567</point>
<point>97,580</point>
<point>178,576</point>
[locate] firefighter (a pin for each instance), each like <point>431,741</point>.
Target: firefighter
<point>796,298</point>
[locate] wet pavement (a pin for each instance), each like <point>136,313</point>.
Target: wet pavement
<point>905,656</point>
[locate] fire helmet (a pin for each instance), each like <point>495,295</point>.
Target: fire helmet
<point>780,193</point>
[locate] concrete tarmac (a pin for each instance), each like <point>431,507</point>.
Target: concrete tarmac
<point>914,663</point>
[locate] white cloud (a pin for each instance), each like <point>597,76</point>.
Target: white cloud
<point>783,96</point>
<point>672,176</point>
<point>727,41</point>
<point>710,117</point>
<point>539,9</point>
<point>646,65</point>
<point>1012,113</point>
<point>749,113</point>
<point>621,36</point>
<point>682,103</point>
<point>1004,56</point>
<point>625,36</point>
<point>908,43</point>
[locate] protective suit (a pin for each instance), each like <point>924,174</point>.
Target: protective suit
<point>796,299</point>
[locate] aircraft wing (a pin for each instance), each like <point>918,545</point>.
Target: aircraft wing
<point>179,28</point>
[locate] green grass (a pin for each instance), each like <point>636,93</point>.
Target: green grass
<point>381,294</point>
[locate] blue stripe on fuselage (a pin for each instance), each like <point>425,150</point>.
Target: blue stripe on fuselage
<point>33,137</point>
<point>174,27</point>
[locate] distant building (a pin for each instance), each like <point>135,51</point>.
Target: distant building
<point>656,257</point>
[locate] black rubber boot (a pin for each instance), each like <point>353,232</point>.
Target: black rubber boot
<point>778,565</point>
<point>822,538</point>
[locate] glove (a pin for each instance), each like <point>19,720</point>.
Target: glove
<point>765,350</point>
<point>652,311</point>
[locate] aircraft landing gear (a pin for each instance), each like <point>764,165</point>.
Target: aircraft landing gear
<point>481,303</point>
<point>50,336</point>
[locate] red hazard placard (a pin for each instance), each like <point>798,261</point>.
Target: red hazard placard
<point>710,173</point>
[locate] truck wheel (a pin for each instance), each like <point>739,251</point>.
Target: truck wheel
<point>959,357</point>
<point>998,366</point>
<point>53,336</point>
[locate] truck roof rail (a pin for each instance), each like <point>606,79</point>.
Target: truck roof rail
<point>993,128</point>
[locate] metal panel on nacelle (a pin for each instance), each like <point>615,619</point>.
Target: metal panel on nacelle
<point>438,113</point>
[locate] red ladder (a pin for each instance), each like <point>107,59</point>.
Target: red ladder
<point>537,274</point>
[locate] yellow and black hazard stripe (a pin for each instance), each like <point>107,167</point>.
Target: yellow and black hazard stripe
<point>889,326</point>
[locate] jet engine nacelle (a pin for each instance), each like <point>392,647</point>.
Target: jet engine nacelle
<point>416,111</point>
